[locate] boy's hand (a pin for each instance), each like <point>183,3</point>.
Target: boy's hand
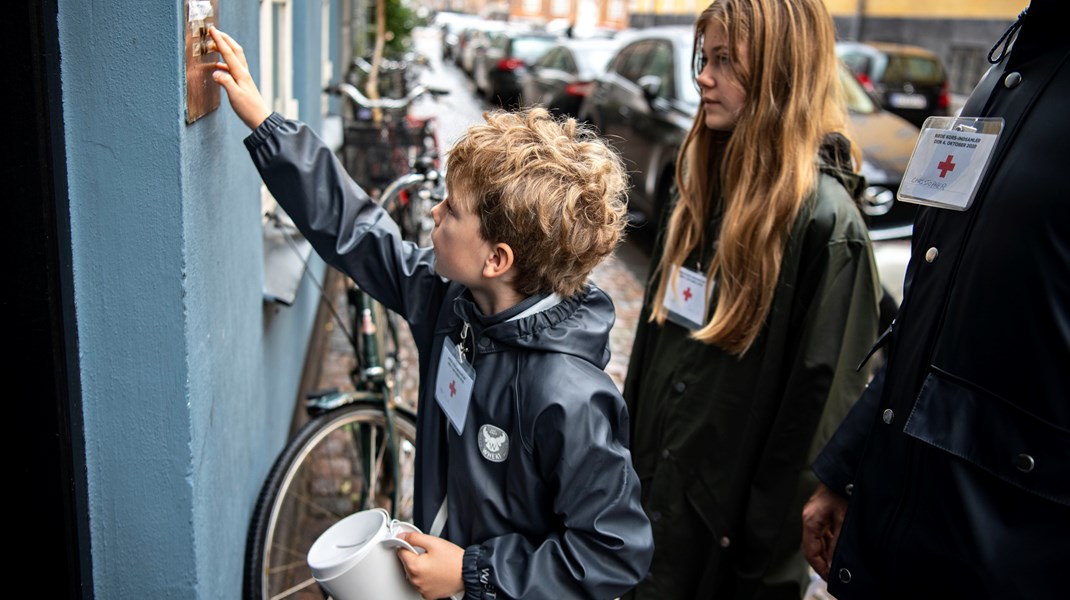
<point>234,76</point>
<point>437,572</point>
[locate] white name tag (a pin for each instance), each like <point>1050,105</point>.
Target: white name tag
<point>453,386</point>
<point>948,161</point>
<point>685,298</point>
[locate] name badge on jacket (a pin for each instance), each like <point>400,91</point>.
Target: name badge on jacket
<point>948,161</point>
<point>685,298</point>
<point>453,386</point>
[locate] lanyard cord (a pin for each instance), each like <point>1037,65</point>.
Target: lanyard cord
<point>1006,38</point>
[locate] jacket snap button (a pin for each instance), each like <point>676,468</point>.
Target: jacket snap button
<point>679,387</point>
<point>665,454</point>
<point>655,516</point>
<point>888,416</point>
<point>725,542</point>
<point>849,488</point>
<point>845,576</point>
<point>1012,79</point>
<point>484,342</point>
<point>1024,463</point>
<point>931,254</point>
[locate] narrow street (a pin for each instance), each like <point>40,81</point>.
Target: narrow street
<point>622,276</point>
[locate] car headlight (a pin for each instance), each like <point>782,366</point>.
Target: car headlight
<point>877,200</point>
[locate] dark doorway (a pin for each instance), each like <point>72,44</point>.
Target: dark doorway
<point>47,481</point>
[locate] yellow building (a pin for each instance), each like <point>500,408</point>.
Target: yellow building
<point>959,31</point>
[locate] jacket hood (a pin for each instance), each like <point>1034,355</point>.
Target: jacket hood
<point>835,161</point>
<point>578,326</point>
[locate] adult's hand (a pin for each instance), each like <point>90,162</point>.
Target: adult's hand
<point>822,518</point>
<point>233,74</point>
<point>437,572</point>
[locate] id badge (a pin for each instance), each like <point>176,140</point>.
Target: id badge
<point>685,298</point>
<point>453,386</point>
<point>948,161</point>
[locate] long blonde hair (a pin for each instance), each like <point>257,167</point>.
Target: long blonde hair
<point>768,168</point>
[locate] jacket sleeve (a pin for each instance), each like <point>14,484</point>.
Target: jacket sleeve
<point>835,465</point>
<point>835,326</point>
<point>346,228</point>
<point>604,545</point>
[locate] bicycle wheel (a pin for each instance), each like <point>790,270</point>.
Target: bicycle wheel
<point>337,464</point>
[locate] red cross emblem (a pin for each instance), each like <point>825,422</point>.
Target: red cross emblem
<point>946,166</point>
<point>687,294</point>
<point>453,389</point>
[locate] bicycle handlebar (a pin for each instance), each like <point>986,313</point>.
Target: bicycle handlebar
<point>350,91</point>
<point>390,65</point>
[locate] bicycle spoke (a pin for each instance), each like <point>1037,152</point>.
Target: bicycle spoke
<point>304,584</point>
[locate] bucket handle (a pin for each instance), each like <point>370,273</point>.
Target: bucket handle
<point>397,527</point>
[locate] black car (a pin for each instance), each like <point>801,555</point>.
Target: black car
<point>565,75</point>
<point>644,105</point>
<point>647,99</point>
<point>497,71</point>
<point>907,80</point>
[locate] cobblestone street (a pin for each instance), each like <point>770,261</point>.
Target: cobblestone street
<point>615,276</point>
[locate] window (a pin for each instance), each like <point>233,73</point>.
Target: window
<point>660,65</point>
<point>283,267</point>
<point>631,65</point>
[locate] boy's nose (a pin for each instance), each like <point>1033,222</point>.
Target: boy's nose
<point>436,212</point>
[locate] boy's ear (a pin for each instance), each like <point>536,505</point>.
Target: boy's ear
<point>499,262</point>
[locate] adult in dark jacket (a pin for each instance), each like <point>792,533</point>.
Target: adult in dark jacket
<point>730,399</point>
<point>954,468</point>
<point>529,484</point>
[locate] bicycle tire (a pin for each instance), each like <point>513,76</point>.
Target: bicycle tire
<point>313,484</point>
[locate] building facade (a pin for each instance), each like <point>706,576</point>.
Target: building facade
<point>164,330</point>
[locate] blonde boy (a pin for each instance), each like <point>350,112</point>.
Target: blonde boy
<point>524,480</point>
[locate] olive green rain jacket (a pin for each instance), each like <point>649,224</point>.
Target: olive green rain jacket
<point>723,443</point>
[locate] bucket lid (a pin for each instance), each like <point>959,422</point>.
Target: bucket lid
<point>346,543</point>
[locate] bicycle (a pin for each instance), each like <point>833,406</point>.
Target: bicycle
<point>377,154</point>
<point>356,452</point>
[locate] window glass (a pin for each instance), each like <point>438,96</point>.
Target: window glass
<point>918,70</point>
<point>857,99</point>
<point>550,59</point>
<point>633,67</point>
<point>568,65</point>
<point>660,64</point>
<point>531,49</point>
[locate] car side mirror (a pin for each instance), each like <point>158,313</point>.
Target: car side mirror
<point>651,85</point>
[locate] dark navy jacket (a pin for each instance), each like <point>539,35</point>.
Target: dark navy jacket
<point>554,511</point>
<point>957,459</point>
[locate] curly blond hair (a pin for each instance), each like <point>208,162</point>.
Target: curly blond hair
<point>549,188</point>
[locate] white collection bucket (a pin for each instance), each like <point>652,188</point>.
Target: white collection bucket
<point>356,558</point>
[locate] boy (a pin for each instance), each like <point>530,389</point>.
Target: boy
<point>524,479</point>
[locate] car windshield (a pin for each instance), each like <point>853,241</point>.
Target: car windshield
<point>918,70</point>
<point>596,58</point>
<point>858,101</point>
<point>531,49</point>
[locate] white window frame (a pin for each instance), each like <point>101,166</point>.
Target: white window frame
<point>283,267</point>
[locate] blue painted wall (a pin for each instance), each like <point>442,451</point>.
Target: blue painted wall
<point>188,377</point>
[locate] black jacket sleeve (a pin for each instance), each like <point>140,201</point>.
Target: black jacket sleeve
<point>344,225</point>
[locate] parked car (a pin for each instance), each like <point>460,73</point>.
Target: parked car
<point>907,80</point>
<point>449,25</point>
<point>498,69</point>
<point>565,75</point>
<point>473,41</point>
<point>644,105</point>
<point>646,101</point>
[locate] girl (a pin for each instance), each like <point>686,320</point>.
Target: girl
<point>763,300</point>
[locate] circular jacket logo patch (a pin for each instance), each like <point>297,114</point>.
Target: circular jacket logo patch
<point>493,443</point>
